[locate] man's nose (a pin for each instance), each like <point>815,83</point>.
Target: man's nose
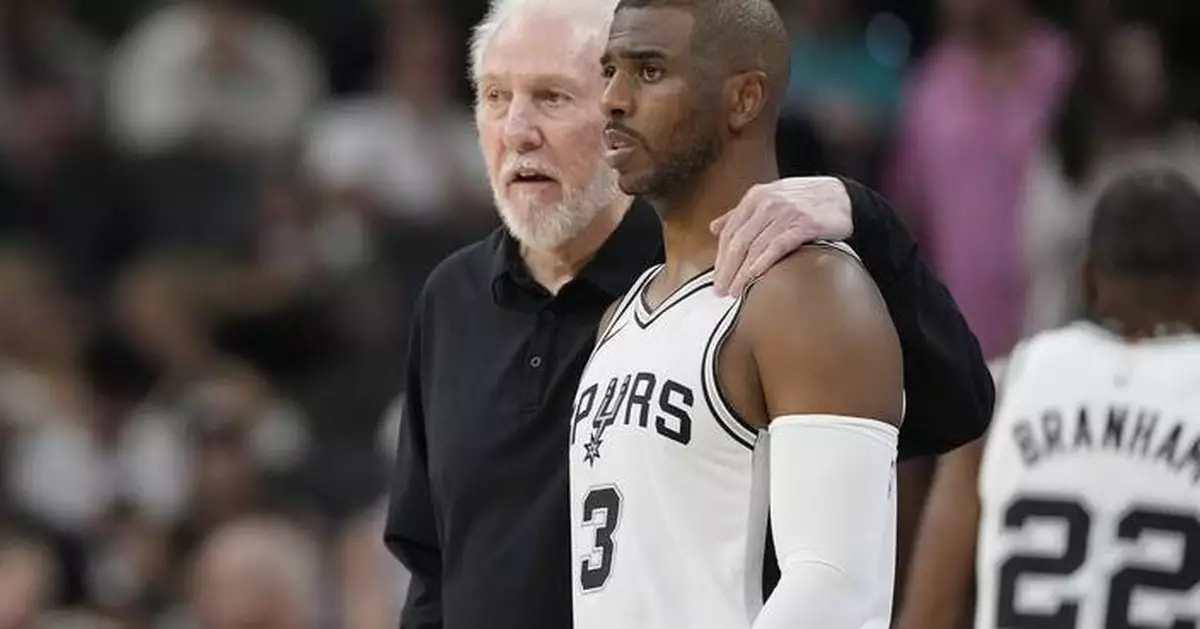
<point>521,133</point>
<point>617,100</point>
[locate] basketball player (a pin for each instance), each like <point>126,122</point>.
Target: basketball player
<point>694,408</point>
<point>479,495</point>
<point>1082,506</point>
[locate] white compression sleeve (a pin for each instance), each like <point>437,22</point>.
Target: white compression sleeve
<point>832,515</point>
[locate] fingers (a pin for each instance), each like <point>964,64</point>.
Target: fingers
<point>745,273</point>
<point>736,239</point>
<point>762,257</point>
<point>719,223</point>
<point>728,224</point>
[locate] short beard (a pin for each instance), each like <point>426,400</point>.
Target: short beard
<point>548,228</point>
<point>679,168</point>
<point>679,171</point>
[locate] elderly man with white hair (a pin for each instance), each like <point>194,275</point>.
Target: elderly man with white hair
<point>479,509</point>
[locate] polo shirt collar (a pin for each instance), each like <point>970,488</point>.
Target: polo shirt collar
<point>634,246</point>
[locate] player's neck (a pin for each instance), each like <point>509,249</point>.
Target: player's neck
<point>690,245</point>
<point>1148,311</point>
<point>553,268</point>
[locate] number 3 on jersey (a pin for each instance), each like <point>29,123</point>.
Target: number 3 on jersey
<point>601,512</point>
<point>1132,526</point>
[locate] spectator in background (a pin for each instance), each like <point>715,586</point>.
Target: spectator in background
<point>258,573</point>
<point>216,72</point>
<point>40,36</point>
<point>1120,115</point>
<point>163,306</point>
<point>130,570</point>
<point>397,171</point>
<point>73,460</point>
<point>61,185</point>
<point>971,119</point>
<point>40,342</point>
<point>409,151</point>
<point>845,86</point>
<point>166,308</point>
<point>62,470</point>
<point>26,582</point>
<point>285,254</point>
<point>372,584</point>
<point>246,441</point>
<point>227,483</point>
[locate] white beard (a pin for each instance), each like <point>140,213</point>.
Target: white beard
<point>549,227</point>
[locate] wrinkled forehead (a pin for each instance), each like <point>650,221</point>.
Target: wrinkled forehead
<point>665,31</point>
<point>532,47</point>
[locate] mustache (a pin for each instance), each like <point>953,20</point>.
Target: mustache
<point>626,131</point>
<point>513,164</point>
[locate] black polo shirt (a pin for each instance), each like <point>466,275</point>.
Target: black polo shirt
<point>479,499</point>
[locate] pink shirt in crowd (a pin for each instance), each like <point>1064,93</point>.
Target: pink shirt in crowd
<point>964,148</point>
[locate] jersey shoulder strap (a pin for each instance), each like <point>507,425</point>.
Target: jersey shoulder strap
<point>623,304</point>
<point>839,246</point>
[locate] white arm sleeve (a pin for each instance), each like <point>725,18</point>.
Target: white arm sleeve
<point>833,520</point>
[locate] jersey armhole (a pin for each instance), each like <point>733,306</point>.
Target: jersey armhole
<point>731,422</point>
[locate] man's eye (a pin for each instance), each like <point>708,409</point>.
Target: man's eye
<point>496,97</point>
<point>555,98</point>
<point>651,74</point>
<point>608,71</point>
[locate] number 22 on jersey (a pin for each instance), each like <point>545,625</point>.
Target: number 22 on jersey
<point>1178,584</point>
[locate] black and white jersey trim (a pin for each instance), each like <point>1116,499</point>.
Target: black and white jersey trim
<point>644,317</point>
<point>611,327</point>
<point>730,421</point>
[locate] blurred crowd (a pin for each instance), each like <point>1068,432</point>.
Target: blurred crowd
<point>216,214</point>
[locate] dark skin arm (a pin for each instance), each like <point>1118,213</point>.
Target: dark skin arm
<point>814,337</point>
<point>914,478</point>
<point>939,585</point>
<point>939,590</point>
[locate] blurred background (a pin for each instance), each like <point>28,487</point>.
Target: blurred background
<point>215,216</point>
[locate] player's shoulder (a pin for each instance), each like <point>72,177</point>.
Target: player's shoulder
<point>820,297</point>
<point>816,277</point>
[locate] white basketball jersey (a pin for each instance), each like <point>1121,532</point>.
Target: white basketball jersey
<point>669,493</point>
<point>1090,485</point>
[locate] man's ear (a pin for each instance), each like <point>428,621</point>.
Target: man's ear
<point>748,99</point>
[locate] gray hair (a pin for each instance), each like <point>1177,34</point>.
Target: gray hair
<point>590,17</point>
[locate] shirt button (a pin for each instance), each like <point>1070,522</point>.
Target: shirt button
<point>535,362</point>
